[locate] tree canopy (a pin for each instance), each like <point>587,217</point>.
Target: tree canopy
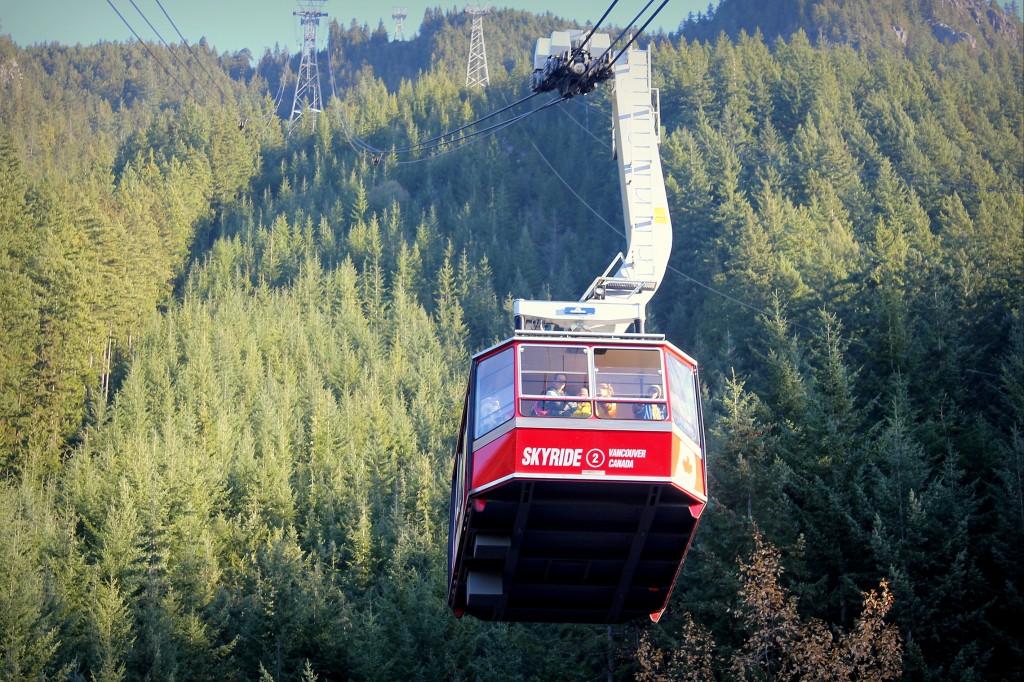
<point>233,348</point>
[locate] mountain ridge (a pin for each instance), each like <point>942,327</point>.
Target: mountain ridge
<point>892,22</point>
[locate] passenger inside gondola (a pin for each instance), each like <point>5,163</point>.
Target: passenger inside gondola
<point>650,410</point>
<point>606,410</point>
<point>556,389</point>
<point>583,406</point>
<point>657,411</point>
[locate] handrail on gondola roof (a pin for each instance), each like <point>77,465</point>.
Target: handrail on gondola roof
<point>587,336</point>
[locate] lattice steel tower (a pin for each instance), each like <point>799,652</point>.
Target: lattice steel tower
<point>307,87</point>
<point>476,72</point>
<point>399,14</point>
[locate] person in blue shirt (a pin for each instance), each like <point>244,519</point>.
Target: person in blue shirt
<point>650,410</point>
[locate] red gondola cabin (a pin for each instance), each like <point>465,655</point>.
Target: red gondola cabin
<point>579,479</point>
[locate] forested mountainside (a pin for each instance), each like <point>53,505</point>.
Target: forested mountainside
<point>233,351</point>
<point>849,22</point>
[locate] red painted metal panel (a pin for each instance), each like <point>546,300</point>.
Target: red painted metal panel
<point>494,461</point>
<point>594,453</point>
<point>590,454</point>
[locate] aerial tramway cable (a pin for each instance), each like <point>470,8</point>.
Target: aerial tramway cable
<point>441,141</point>
<point>189,48</point>
<point>164,42</point>
<point>242,120</point>
<point>455,144</point>
<point>438,142</point>
<point>486,131</point>
<point>426,143</point>
<point>672,269</point>
<point>146,47</point>
<point>590,35</point>
<point>641,29</point>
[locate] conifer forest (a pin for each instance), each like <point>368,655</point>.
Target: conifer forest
<point>234,348</point>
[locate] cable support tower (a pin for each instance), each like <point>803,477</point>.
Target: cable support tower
<point>476,71</point>
<point>399,14</point>
<point>307,87</point>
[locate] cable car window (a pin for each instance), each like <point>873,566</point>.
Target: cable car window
<point>495,397</point>
<point>633,374</point>
<point>683,385</point>
<point>547,372</point>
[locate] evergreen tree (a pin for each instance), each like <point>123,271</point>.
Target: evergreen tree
<point>232,361</point>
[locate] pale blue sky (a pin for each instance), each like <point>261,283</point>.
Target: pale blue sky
<point>256,24</point>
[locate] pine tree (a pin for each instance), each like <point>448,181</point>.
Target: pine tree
<point>30,621</point>
<point>449,309</point>
<point>912,498</point>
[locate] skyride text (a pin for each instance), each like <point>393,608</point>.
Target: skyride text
<point>552,457</point>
